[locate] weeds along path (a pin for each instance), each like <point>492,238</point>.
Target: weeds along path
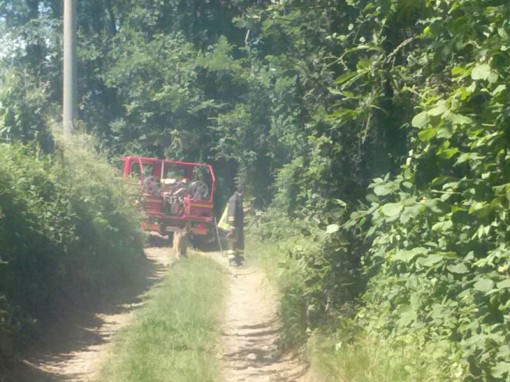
<point>250,331</point>
<point>77,343</point>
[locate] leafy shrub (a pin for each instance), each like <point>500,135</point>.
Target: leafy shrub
<point>439,258</point>
<point>318,271</point>
<point>105,221</point>
<point>25,108</point>
<point>66,229</point>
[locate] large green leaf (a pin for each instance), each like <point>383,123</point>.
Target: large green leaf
<point>459,119</point>
<point>420,120</point>
<point>384,189</point>
<point>481,72</point>
<point>392,210</point>
<point>458,268</point>
<point>501,369</point>
<point>484,285</point>
<point>427,134</point>
<point>505,284</point>
<point>332,228</point>
<point>439,109</point>
<point>442,226</point>
<point>429,260</point>
<point>409,255</point>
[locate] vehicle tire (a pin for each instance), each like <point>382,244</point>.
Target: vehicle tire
<point>199,190</point>
<point>151,185</point>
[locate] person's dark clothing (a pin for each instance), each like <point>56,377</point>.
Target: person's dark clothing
<point>235,217</point>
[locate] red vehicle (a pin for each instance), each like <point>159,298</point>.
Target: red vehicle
<point>176,196</point>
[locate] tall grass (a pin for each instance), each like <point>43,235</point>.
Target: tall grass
<point>175,336</point>
<point>365,359</point>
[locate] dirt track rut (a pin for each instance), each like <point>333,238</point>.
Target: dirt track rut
<point>250,331</point>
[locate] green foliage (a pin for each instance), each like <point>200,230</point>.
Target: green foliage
<point>439,254</point>
<point>434,232</point>
<point>34,228</point>
<point>317,271</point>
<point>310,103</point>
<point>343,357</point>
<point>106,223</point>
<point>23,109</point>
<point>157,81</point>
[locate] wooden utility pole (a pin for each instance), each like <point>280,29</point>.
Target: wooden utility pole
<point>70,115</point>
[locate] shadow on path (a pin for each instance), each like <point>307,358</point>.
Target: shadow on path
<point>250,331</point>
<point>73,346</point>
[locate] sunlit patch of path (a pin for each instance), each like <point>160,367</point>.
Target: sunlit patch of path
<point>250,331</point>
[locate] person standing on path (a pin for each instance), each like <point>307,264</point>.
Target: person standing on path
<point>232,221</point>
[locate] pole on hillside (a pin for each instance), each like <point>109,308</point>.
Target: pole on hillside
<point>70,102</point>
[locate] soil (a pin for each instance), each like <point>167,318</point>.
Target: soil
<point>250,331</point>
<point>81,338</point>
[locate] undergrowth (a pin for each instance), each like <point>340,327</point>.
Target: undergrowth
<point>328,327</point>
<point>67,233</point>
<point>317,274</point>
<point>341,357</point>
<point>175,336</point>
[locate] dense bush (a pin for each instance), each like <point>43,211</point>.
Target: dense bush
<point>439,258</point>
<point>434,235</point>
<point>66,230</point>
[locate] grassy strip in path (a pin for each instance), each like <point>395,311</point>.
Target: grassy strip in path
<point>174,337</point>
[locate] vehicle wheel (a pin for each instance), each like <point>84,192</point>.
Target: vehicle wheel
<point>180,244</point>
<point>151,185</point>
<point>199,190</point>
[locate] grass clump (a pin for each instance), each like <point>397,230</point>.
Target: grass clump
<point>174,337</point>
<point>366,359</point>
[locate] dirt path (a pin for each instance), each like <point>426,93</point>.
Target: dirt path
<point>250,331</point>
<point>74,348</point>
